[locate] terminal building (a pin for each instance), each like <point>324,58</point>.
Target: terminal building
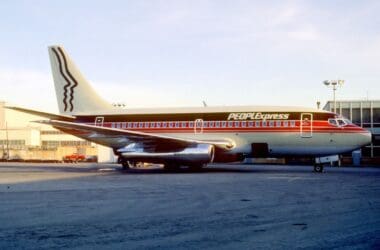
<point>364,113</point>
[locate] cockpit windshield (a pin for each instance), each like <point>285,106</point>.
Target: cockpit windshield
<point>339,122</point>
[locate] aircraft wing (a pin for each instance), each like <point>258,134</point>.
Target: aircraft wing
<point>119,138</point>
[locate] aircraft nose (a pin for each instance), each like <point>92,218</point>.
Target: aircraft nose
<point>366,138</point>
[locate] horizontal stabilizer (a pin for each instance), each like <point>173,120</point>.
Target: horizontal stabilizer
<point>44,114</point>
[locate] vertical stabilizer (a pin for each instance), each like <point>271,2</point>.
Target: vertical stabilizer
<point>74,93</point>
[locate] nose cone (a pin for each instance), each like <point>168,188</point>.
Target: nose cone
<point>365,138</point>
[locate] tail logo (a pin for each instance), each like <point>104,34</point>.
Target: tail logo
<point>71,82</point>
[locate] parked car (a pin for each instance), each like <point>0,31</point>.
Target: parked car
<point>74,158</point>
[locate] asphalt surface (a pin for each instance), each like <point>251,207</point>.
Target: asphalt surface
<point>87,206</point>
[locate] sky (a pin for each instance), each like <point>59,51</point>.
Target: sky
<point>179,53</point>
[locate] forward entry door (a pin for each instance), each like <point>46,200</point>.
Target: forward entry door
<point>306,125</point>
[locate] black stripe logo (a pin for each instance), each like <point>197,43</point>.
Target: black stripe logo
<point>71,82</point>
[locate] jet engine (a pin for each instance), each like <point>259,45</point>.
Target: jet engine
<point>195,155</point>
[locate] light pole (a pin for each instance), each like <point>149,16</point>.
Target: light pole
<point>334,84</point>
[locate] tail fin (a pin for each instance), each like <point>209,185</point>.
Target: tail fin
<point>74,93</point>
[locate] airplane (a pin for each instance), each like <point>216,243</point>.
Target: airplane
<point>197,136</point>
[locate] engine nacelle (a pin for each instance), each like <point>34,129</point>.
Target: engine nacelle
<point>199,154</point>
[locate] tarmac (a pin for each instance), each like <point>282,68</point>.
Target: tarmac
<point>100,206</point>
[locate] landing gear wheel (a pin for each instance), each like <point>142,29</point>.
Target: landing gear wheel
<point>125,165</point>
<point>318,168</point>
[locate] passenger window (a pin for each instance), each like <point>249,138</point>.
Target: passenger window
<point>250,124</point>
<point>278,123</point>
<point>224,124</point>
<point>135,124</point>
<point>146,124</point>
<point>191,124</point>
<point>286,123</point>
<point>271,124</point>
<point>177,124</point>
<point>171,124</point>
<point>124,124</point>
<point>112,125</point>
<point>129,124</point>
<point>158,125</point>
<point>211,123</point>
<point>183,124</point>
<point>152,125</point>
<point>230,124</point>
<point>243,124</point>
<point>264,123</point>
<point>292,124</point>
<point>237,124</point>
<point>205,124</point>
<point>257,124</point>
<point>217,124</point>
<point>164,124</point>
<point>141,124</point>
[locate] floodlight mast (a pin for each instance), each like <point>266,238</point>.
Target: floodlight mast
<point>334,84</point>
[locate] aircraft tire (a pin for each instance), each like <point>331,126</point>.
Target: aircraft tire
<point>318,168</point>
<point>125,165</point>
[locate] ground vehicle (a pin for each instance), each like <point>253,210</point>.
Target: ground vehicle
<point>74,158</point>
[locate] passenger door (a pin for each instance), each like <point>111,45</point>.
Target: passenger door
<point>306,125</point>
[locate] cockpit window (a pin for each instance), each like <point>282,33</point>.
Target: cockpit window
<point>339,122</point>
<point>333,122</point>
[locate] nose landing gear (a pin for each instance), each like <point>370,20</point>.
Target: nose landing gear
<point>318,168</point>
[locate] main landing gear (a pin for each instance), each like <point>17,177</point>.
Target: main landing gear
<point>124,163</point>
